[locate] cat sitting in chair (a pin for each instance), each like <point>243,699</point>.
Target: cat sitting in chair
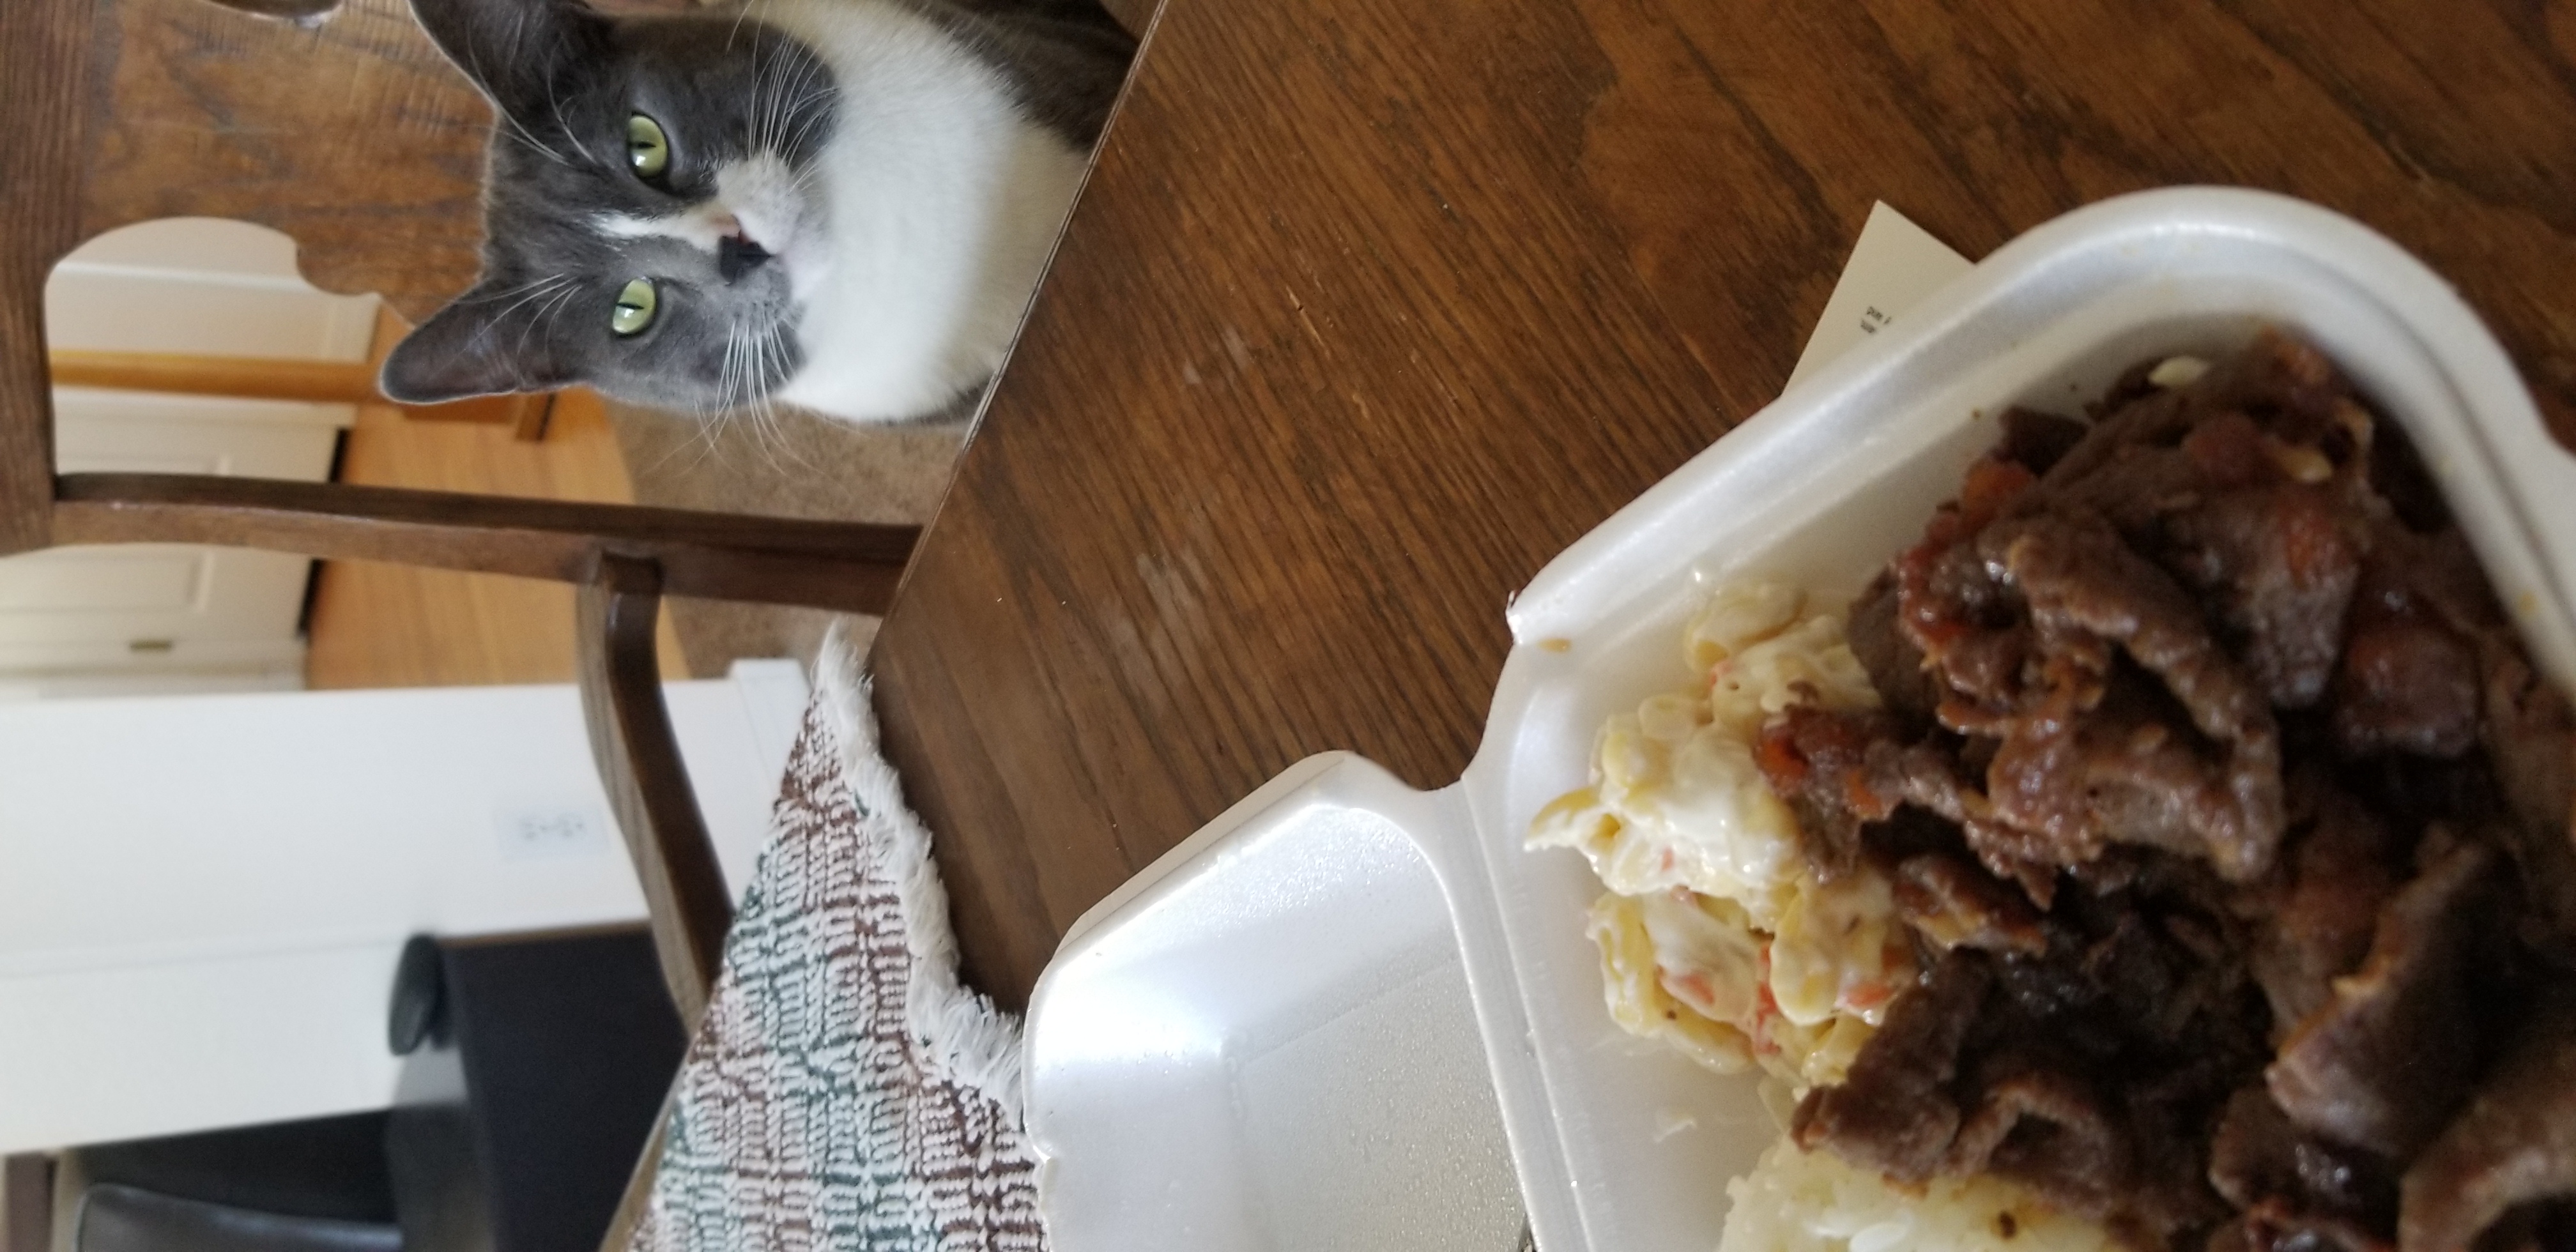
<point>842,205</point>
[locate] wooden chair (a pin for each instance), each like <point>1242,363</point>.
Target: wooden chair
<point>353,136</point>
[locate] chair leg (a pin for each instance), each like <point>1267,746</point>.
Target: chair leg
<point>26,1203</point>
<point>648,785</point>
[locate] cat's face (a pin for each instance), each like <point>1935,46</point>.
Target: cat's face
<point>653,224</point>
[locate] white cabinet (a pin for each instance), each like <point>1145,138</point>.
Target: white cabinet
<point>201,899</point>
<point>164,619</point>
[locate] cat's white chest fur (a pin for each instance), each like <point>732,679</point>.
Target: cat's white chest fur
<point>940,203</point>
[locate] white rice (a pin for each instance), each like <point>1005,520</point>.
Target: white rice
<point>1797,1201</point>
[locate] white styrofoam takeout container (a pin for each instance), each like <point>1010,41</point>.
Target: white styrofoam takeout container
<point>1620,1146</point>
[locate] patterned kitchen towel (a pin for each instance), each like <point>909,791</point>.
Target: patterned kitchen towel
<point>844,1091</point>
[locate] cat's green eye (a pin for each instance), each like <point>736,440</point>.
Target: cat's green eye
<point>648,150</point>
<point>635,307</point>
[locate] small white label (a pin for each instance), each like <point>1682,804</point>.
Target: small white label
<point>532,832</point>
<point>1894,264</point>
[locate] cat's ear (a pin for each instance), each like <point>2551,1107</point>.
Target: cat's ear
<point>515,50</point>
<point>466,350</point>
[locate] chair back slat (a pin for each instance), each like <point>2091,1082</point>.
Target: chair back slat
<point>350,134</point>
<point>852,566</point>
<point>354,136</point>
<point>44,81</point>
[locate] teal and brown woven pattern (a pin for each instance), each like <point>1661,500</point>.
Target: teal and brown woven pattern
<point>822,1104</point>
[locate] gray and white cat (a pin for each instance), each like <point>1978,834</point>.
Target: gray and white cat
<point>839,204</point>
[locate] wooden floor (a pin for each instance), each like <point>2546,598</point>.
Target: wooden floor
<point>395,626</point>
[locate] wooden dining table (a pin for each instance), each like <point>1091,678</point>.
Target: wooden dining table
<point>1372,306</point>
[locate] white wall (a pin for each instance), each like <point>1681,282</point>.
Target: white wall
<point>165,619</point>
<point>200,285</point>
<point>202,897</point>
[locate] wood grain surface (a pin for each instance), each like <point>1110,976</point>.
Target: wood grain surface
<point>44,74</point>
<point>648,784</point>
<point>1370,309</point>
<point>850,566</point>
<point>350,133</point>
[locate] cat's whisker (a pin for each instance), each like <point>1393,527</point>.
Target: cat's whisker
<point>476,71</point>
<point>805,127</point>
<point>725,368</point>
<point>796,112</point>
<point>709,424</point>
<point>775,103</point>
<point>538,287</point>
<point>530,285</point>
<point>812,93</point>
<point>529,137</point>
<point>739,394</point>
<point>764,74</point>
<point>500,318</point>
<point>563,301</point>
<point>552,309</point>
<point>738,380</point>
<point>712,418</point>
<point>765,436</point>
<point>806,119</point>
<point>776,336</point>
<point>699,426</point>
<point>759,122</point>
<point>765,96</point>
<point>667,454</point>
<point>795,115</point>
<point>544,313</point>
<point>775,362</point>
<point>754,403</point>
<point>755,398</point>
<point>540,292</point>
<point>738,16</point>
<point>554,100</point>
<point>805,180</point>
<point>504,294</point>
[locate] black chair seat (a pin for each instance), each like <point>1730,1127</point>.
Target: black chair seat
<point>117,1218</point>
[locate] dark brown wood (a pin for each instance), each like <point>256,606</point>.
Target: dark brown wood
<point>44,81</point>
<point>648,783</point>
<point>843,565</point>
<point>26,1203</point>
<point>529,415</point>
<point>282,8</point>
<point>350,134</point>
<point>1370,308</point>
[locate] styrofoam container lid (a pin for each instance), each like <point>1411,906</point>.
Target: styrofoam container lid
<point>1621,1145</point>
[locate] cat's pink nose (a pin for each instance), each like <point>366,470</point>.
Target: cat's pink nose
<point>726,224</point>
